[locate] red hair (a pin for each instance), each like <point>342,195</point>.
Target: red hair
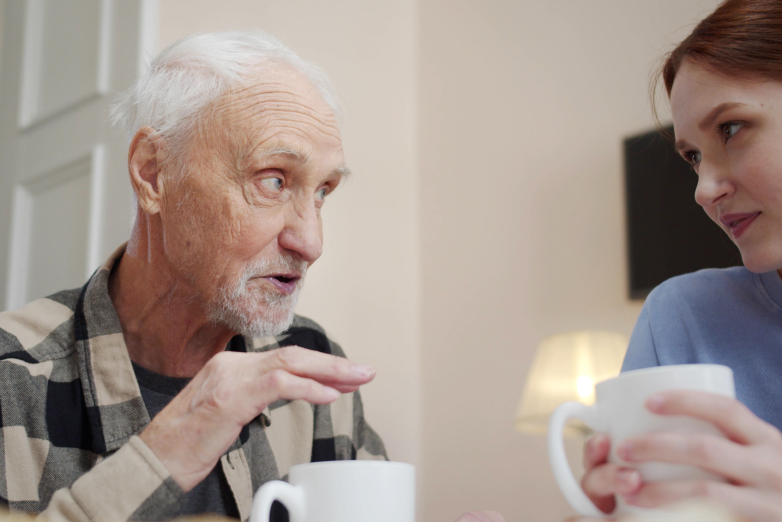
<point>740,38</point>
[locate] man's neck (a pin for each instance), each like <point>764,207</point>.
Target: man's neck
<point>164,323</point>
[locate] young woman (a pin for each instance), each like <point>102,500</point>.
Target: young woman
<point>724,83</point>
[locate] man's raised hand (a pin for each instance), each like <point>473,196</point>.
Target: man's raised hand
<point>199,425</point>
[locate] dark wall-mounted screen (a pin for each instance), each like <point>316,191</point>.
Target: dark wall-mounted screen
<point>669,234</point>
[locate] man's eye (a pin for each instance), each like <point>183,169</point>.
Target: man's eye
<point>322,193</point>
<point>730,129</point>
<point>272,183</point>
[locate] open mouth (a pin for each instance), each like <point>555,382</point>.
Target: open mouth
<point>285,284</point>
<point>284,279</point>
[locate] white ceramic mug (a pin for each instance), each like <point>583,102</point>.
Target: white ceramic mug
<point>619,411</point>
<point>342,491</point>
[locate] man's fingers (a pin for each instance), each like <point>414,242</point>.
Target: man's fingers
<point>279,384</point>
<point>481,516</point>
<point>342,388</point>
<point>732,418</point>
<point>321,367</point>
<point>596,451</point>
<point>747,503</point>
<point>606,480</point>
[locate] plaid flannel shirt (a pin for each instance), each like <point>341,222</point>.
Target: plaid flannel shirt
<point>71,410</point>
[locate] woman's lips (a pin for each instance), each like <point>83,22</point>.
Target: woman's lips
<point>738,223</point>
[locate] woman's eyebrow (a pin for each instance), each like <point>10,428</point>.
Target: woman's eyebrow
<point>681,146</point>
<point>708,121</point>
<point>713,114</point>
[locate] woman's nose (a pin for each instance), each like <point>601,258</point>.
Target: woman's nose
<point>714,184</point>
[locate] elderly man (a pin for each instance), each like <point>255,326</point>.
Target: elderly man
<point>178,379</point>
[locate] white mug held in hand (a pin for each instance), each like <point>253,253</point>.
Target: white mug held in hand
<point>342,491</point>
<point>620,412</point>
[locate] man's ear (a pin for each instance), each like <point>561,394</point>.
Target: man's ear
<point>145,156</point>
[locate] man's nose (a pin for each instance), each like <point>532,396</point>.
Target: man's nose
<point>714,184</point>
<point>302,233</point>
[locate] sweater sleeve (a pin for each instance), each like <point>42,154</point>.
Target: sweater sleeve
<point>641,352</point>
<point>131,484</point>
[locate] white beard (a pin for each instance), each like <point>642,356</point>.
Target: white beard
<point>260,311</point>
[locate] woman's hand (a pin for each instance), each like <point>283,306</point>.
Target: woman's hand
<point>603,480</point>
<point>749,459</point>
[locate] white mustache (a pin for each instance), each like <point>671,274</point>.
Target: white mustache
<point>281,265</point>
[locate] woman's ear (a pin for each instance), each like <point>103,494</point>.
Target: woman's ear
<point>145,156</point>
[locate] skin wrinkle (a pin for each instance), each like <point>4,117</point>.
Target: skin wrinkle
<point>270,117</point>
<point>268,89</point>
<point>289,127</point>
<point>291,107</point>
<point>284,104</point>
<point>282,116</point>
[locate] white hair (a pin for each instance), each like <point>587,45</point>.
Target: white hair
<point>194,72</point>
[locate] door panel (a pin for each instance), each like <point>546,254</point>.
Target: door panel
<point>59,228</point>
<point>65,57</point>
<point>65,199</point>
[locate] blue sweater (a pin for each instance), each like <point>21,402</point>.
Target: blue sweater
<point>729,316</point>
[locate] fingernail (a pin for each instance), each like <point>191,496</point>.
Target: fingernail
<point>363,370</point>
<point>625,450</point>
<point>629,479</point>
<point>331,394</point>
<point>655,402</point>
<point>594,442</point>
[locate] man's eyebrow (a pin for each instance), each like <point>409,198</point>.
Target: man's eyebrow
<point>296,155</point>
<point>713,114</point>
<point>343,172</point>
<point>300,157</point>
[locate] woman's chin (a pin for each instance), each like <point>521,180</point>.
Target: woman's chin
<point>760,264</point>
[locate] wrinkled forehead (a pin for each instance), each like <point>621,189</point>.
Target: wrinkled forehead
<point>278,104</point>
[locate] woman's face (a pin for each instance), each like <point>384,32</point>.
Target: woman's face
<point>730,130</point>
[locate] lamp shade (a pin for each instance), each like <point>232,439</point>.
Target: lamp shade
<point>566,368</point>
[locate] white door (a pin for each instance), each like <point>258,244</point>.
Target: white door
<point>65,198</point>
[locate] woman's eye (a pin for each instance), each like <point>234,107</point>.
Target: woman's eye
<point>693,157</point>
<point>730,129</point>
<point>272,183</point>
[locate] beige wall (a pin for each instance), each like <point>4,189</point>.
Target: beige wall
<point>486,211</point>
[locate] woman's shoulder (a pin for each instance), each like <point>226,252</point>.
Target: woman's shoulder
<point>709,285</point>
<point>683,319</point>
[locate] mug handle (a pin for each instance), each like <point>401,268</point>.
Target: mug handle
<point>558,459</point>
<point>292,497</point>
